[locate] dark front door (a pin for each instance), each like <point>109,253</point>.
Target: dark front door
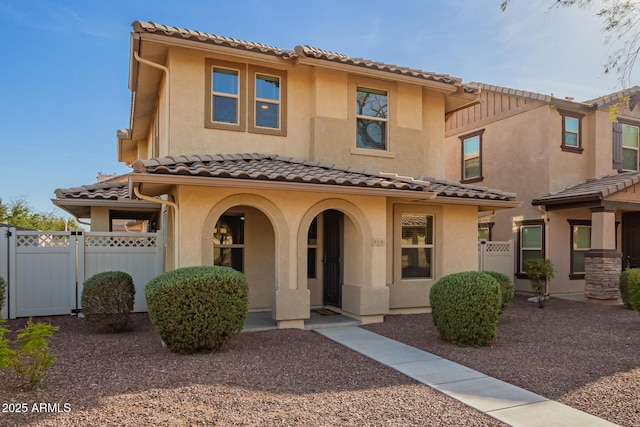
<point>332,258</point>
<point>631,239</point>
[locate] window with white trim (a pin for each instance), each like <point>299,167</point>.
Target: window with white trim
<point>225,94</point>
<point>417,245</point>
<point>372,117</point>
<point>530,242</point>
<point>580,244</point>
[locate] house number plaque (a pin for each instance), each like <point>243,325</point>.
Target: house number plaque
<point>377,241</point>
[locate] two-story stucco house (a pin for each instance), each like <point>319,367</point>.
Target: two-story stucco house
<point>305,169</point>
<point>575,167</point>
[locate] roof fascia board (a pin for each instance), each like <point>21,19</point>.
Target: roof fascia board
<point>499,204</point>
<point>276,185</point>
<point>104,202</point>
<point>210,47</point>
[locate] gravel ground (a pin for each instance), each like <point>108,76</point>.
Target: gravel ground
<point>584,355</point>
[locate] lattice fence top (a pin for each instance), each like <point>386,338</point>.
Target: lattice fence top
<point>498,247</point>
<point>43,240</point>
<point>124,241</point>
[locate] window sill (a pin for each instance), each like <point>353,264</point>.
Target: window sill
<point>471,180</point>
<point>569,149</point>
<point>522,275</point>
<point>373,153</point>
<point>576,276</point>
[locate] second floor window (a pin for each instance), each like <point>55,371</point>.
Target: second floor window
<point>267,101</point>
<point>571,131</point>
<point>224,96</point>
<point>472,157</point>
<point>372,117</point>
<point>630,146</point>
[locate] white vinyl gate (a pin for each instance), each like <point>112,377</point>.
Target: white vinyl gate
<point>45,271</point>
<point>496,256</point>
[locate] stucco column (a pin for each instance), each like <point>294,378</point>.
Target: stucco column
<point>603,262</point>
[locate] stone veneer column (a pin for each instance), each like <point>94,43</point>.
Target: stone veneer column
<point>603,263</point>
<point>602,274</point>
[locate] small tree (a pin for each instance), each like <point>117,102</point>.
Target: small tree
<point>540,271</point>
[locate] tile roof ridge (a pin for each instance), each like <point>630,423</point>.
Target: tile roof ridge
<point>172,31</point>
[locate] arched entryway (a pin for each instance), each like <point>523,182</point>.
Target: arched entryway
<point>337,265</point>
<point>243,232</point>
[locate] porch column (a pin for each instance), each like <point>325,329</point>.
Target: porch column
<point>603,263</point>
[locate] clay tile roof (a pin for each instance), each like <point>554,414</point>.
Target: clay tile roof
<point>312,52</point>
<point>274,168</point>
<point>299,51</point>
<point>152,27</point>
<point>592,189</point>
<point>100,191</point>
<point>452,189</point>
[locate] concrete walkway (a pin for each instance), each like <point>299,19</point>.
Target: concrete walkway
<point>500,400</point>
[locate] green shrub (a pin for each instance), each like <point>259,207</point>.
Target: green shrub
<point>465,307</point>
<point>107,300</point>
<point>507,289</point>
<point>634,288</point>
<point>3,291</point>
<point>624,287</point>
<point>540,271</point>
<point>197,308</point>
<point>31,356</point>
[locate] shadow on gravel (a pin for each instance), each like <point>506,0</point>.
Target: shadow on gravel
<point>92,366</point>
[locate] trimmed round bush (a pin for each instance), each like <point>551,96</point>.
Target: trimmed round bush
<point>507,289</point>
<point>3,291</point>
<point>107,300</point>
<point>624,287</point>
<point>197,308</point>
<point>465,307</point>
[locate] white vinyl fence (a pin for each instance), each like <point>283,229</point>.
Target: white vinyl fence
<point>496,256</point>
<point>45,271</point>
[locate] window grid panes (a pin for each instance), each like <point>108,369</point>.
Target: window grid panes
<point>228,241</point>
<point>417,246</point>
<point>530,244</point>
<point>267,102</point>
<point>581,243</point>
<point>571,129</point>
<point>471,159</point>
<point>372,116</point>
<point>630,145</point>
<point>224,95</point>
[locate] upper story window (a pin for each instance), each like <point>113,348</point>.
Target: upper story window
<point>472,157</point>
<point>225,103</point>
<point>268,95</point>
<point>372,117</point>
<point>571,131</point>
<point>630,147</point>
<point>243,97</point>
<point>267,101</point>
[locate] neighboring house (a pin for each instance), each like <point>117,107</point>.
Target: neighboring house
<point>308,217</point>
<point>575,167</point>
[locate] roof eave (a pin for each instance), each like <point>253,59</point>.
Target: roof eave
<point>161,181</point>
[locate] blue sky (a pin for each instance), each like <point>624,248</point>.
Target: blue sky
<point>64,64</point>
